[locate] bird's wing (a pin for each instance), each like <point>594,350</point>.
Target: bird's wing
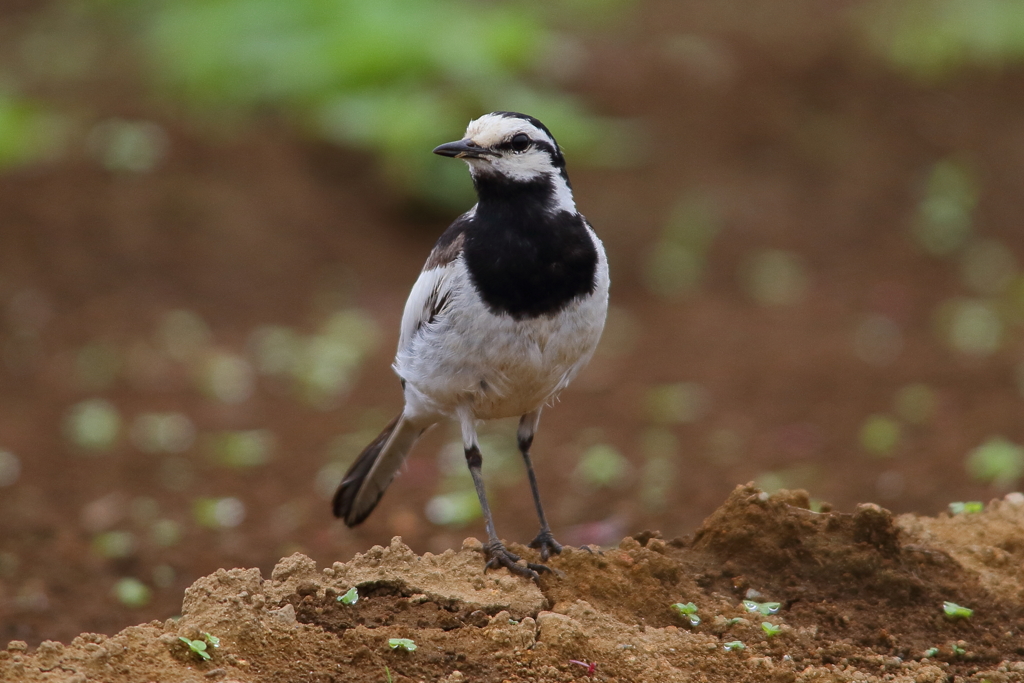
<point>427,300</point>
<point>432,292</point>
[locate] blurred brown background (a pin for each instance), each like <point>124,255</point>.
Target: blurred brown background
<point>211,214</point>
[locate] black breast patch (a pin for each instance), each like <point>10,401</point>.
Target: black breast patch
<point>528,264</point>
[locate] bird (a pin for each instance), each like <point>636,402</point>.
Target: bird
<point>509,307</point>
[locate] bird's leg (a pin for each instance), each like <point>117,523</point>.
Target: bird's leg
<point>494,549</point>
<point>544,541</point>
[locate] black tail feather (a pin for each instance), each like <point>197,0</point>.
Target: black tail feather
<point>357,473</point>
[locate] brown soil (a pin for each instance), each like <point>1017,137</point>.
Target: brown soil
<point>802,139</point>
<point>860,598</point>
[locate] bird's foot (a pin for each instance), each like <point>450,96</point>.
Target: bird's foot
<point>546,544</point>
<point>499,556</point>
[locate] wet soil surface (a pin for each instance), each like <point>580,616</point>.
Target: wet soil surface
<point>850,597</point>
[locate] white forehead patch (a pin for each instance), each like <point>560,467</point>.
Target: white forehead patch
<point>492,129</point>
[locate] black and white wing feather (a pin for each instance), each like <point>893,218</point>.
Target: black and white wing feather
<point>432,292</point>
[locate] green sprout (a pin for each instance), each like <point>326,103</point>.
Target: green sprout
<point>955,611</point>
<point>350,597</point>
<point>387,674</point>
<point>688,612</point>
<point>958,651</point>
<point>733,621</point>
<point>968,508</point>
<point>931,652</point>
<point>197,646</point>
<point>405,644</point>
<point>765,608</point>
<point>770,629</point>
<point>734,645</point>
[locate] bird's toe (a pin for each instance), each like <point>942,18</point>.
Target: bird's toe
<point>546,544</point>
<point>499,556</point>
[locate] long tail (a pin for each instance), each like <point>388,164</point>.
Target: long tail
<point>373,470</point>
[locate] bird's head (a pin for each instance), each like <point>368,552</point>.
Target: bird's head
<point>509,145</point>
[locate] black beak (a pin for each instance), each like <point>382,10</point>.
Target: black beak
<point>463,149</point>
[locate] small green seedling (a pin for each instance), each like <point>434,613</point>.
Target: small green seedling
<point>351,597</point>
<point>770,629</point>
<point>931,652</point>
<point>764,608</point>
<point>955,611</point>
<point>688,612</point>
<point>733,621</point>
<point>404,644</point>
<point>199,646</point>
<point>967,508</point>
<point>958,651</point>
<point>734,645</point>
<point>387,674</point>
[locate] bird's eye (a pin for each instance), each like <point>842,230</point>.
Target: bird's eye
<point>520,141</point>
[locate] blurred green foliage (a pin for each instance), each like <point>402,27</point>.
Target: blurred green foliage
<point>218,513</point>
<point>916,403</point>
<point>454,509</point>
<point>966,508</point>
<point>184,335</point>
<point>163,576</point>
<point>322,367</point>
<point>131,592</point>
<point>93,424</point>
<point>945,214</point>
<point>660,449</point>
<point>676,264</point>
<point>971,326</point>
<point>165,533</point>
<point>228,378</point>
<point>29,131</point>
<point>775,277</point>
<point>679,403</point>
<point>241,449</point>
<point>163,432</point>
<point>800,476</point>
<point>931,39</point>
<point>114,544</point>
<point>10,468</point>
<point>396,77</point>
<point>998,460</point>
<point>97,365</point>
<point>988,267</point>
<point>602,466</point>
<point>879,435</point>
<point>456,502</point>
<point>128,146</point>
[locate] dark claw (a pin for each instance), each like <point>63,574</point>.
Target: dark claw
<point>499,556</point>
<point>546,544</point>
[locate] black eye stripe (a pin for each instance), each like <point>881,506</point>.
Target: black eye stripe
<point>511,144</point>
<point>556,157</point>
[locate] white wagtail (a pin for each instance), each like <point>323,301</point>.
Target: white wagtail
<point>509,307</point>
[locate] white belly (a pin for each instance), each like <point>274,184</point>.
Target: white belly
<point>492,365</point>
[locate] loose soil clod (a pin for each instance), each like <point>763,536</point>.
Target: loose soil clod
<point>861,600</point>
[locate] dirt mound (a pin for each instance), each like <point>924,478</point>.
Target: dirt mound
<point>859,598</point>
